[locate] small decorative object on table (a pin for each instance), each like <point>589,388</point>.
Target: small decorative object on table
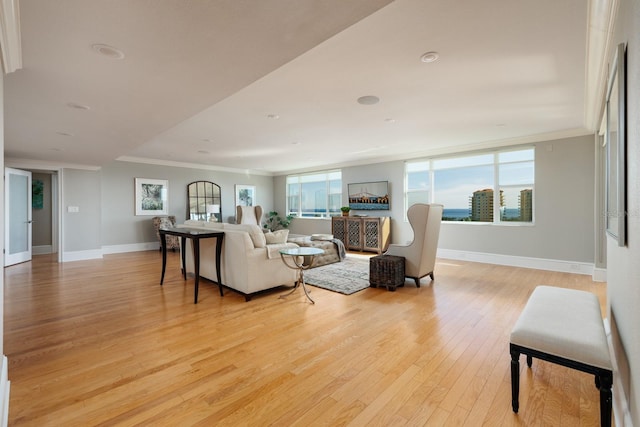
<point>345,210</point>
<point>386,270</point>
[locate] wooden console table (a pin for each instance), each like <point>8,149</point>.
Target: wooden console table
<point>195,235</point>
<point>372,234</point>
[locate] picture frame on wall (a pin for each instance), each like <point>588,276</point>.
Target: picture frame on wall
<point>615,140</point>
<point>245,195</point>
<point>151,196</point>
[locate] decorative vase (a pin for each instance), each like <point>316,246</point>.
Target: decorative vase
<point>345,213</point>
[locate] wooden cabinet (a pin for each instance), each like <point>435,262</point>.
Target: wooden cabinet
<point>367,234</point>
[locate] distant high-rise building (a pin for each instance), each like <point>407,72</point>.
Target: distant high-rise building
<point>482,205</point>
<point>526,205</point>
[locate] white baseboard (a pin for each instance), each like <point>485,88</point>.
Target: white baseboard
<point>113,249</point>
<point>133,247</point>
<point>5,389</point>
<point>81,255</point>
<point>621,412</point>
<point>41,250</point>
<point>518,261</point>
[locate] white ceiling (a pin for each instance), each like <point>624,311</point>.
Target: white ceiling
<point>200,79</point>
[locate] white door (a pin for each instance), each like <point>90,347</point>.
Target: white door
<point>17,208</point>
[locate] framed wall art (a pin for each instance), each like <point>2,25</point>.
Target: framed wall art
<point>151,196</point>
<point>245,195</point>
<point>615,139</point>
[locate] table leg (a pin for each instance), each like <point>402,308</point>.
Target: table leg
<point>300,282</point>
<point>183,252</point>
<point>218,253</point>
<point>163,241</point>
<point>196,263</point>
<point>304,286</point>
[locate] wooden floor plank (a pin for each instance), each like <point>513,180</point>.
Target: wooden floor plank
<point>100,342</point>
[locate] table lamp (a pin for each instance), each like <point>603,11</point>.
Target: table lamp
<point>212,210</point>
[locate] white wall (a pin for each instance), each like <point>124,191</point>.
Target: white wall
<point>2,212</point>
<point>120,225</point>
<point>564,200</point>
<point>81,230</point>
<point>623,272</point>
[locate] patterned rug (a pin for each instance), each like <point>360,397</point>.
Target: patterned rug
<point>346,277</point>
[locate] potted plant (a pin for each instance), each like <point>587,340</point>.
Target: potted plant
<point>275,222</point>
<point>345,210</point>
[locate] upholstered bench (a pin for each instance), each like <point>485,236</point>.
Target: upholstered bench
<point>563,326</point>
<point>331,247</point>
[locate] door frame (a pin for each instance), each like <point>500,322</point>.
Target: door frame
<point>10,259</point>
<point>56,197</point>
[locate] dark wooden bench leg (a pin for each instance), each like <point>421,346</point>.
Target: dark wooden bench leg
<point>605,380</point>
<point>515,379</point>
<point>529,360</point>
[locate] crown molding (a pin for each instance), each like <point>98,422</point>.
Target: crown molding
<point>10,43</point>
<point>448,150</point>
<point>45,165</point>
<point>171,163</point>
<point>600,33</point>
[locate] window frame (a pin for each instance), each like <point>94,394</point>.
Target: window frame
<point>328,213</point>
<point>496,186</point>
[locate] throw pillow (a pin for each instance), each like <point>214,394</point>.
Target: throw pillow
<point>278,236</point>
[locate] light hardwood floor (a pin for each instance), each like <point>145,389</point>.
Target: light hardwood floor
<point>101,343</point>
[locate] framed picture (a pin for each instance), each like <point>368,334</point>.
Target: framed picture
<point>245,195</point>
<point>615,140</point>
<point>151,196</point>
<point>369,195</point>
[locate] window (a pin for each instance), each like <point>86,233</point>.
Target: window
<point>315,195</point>
<point>486,187</point>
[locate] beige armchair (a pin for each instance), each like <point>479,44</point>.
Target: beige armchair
<point>420,254</point>
<point>248,215</point>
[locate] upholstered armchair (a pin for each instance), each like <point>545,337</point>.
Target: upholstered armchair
<point>173,242</point>
<point>248,215</point>
<point>420,254</point>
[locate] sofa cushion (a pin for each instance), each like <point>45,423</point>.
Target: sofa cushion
<point>278,236</point>
<point>256,234</point>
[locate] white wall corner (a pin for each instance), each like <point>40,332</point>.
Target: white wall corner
<point>599,274</point>
<point>10,42</point>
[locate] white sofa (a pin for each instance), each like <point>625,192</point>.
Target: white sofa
<point>249,265</point>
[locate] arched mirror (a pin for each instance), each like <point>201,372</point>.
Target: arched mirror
<point>203,201</point>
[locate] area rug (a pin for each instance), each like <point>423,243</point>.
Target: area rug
<point>346,277</point>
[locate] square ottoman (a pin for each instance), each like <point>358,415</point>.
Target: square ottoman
<point>386,270</point>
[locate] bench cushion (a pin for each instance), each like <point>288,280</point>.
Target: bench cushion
<point>565,323</point>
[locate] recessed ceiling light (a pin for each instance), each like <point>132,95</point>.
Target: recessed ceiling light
<point>203,152</point>
<point>390,120</point>
<point>273,116</point>
<point>64,133</point>
<point>56,149</point>
<point>368,100</point>
<point>109,51</point>
<point>77,106</point>
<point>207,140</point>
<point>430,57</point>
